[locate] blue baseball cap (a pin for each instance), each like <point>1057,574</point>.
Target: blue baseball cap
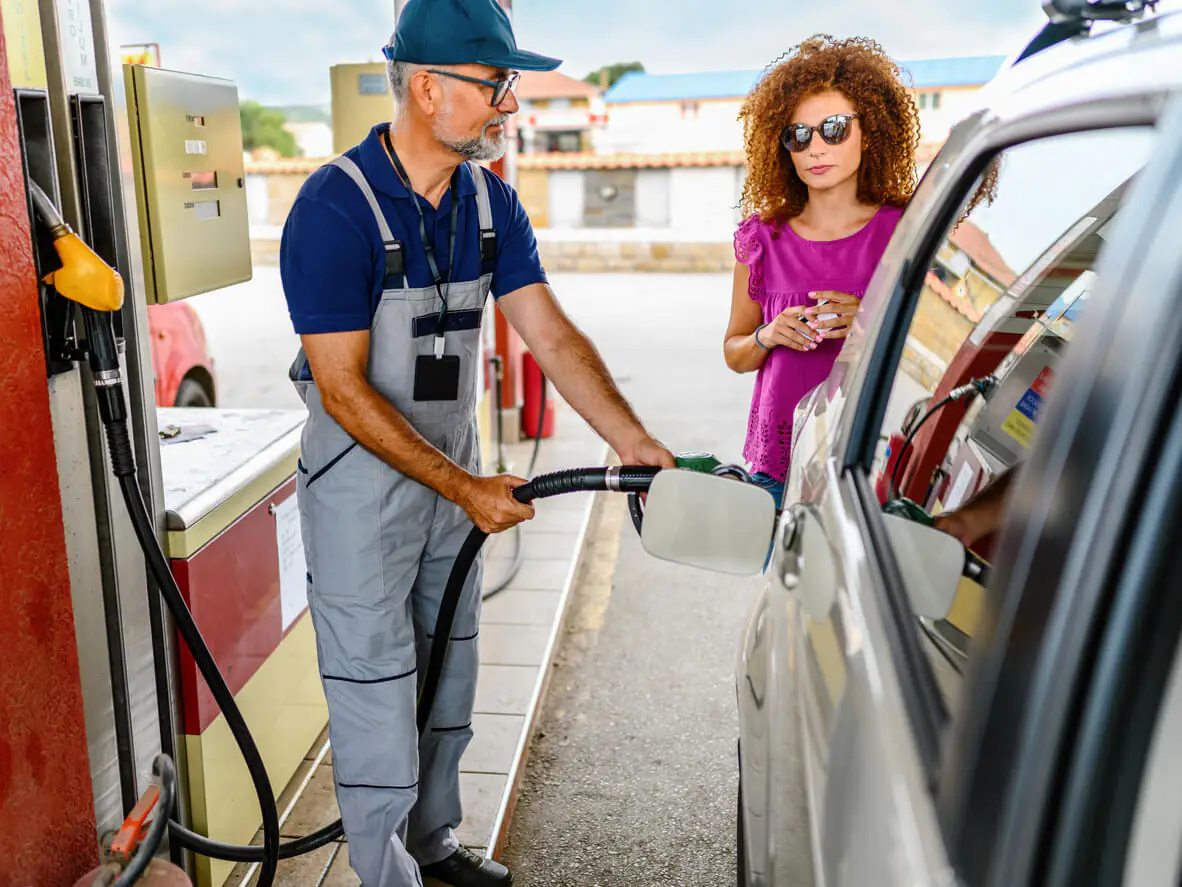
<point>460,32</point>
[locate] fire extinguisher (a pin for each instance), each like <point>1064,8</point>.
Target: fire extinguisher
<point>894,452</point>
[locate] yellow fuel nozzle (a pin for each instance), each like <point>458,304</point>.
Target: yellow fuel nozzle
<point>84,277</point>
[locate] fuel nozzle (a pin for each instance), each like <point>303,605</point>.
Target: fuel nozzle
<point>86,279</point>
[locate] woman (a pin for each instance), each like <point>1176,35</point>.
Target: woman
<point>831,134</point>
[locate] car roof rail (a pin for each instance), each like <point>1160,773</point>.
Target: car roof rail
<point>1071,18</point>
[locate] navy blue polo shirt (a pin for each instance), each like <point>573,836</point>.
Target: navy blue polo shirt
<point>332,260</point>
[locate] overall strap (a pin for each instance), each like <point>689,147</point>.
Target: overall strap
<point>395,268</point>
<point>488,236</point>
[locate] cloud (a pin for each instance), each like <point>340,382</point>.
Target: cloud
<point>703,35</point>
<point>279,51</point>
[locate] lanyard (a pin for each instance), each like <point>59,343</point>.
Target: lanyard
<point>441,286</point>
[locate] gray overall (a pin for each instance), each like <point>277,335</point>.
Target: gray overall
<point>379,548</point>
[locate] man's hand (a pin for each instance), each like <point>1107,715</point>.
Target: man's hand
<point>489,502</point>
<point>981,515</point>
<point>968,525</point>
<point>843,305</point>
<point>646,451</point>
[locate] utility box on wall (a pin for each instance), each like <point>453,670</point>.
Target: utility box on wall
<point>360,100</point>
<point>190,182</point>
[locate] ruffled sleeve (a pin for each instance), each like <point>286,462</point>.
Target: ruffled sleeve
<point>749,251</point>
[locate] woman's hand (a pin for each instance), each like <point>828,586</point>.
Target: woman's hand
<point>790,329</point>
<point>842,307</point>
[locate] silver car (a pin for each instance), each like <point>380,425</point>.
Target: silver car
<point>912,713</point>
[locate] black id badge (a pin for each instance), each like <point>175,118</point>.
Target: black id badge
<point>437,378</point>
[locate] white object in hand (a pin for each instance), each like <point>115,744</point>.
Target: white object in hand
<point>821,302</point>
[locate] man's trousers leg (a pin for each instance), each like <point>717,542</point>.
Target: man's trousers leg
<point>362,570</point>
<point>439,812</point>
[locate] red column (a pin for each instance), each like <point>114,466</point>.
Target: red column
<point>47,826</point>
<point>932,441</point>
<point>510,347</point>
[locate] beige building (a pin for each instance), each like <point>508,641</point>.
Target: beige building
<point>558,113</point>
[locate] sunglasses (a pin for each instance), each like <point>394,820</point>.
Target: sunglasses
<point>834,130</point>
<point>500,88</point>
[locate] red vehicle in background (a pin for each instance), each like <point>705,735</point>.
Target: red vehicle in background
<point>181,364</point>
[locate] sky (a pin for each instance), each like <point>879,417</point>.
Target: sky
<point>279,51</point>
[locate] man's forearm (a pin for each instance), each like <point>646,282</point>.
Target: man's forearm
<point>376,424</point>
<point>573,364</point>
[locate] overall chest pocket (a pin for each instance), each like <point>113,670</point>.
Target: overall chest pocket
<point>405,329</point>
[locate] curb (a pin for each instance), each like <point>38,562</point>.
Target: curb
<point>508,803</point>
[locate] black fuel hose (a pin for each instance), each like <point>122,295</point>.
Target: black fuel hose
<point>104,363</point>
<point>269,853</point>
<point>103,357</point>
<point>981,386</point>
<point>625,480</point>
<point>629,479</point>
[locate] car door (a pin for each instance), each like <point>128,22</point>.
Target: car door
<point>961,298</point>
<point>1063,769</point>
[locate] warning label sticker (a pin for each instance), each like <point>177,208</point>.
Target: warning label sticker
<point>1023,419</point>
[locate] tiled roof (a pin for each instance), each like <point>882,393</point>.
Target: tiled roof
<point>629,161</point>
<point>980,249</point>
<point>536,85</point>
<point>925,74</point>
<point>960,303</point>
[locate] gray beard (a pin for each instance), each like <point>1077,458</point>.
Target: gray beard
<point>480,148</point>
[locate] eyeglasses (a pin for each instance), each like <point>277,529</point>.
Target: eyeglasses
<point>500,88</point>
<point>834,130</point>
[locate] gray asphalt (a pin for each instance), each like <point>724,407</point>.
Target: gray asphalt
<point>633,778</point>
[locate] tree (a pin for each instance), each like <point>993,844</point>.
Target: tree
<point>263,127</point>
<point>614,73</point>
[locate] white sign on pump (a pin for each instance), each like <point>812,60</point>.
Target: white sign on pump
<point>76,38</point>
<point>293,570</point>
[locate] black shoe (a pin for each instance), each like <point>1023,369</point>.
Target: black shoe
<point>465,869</point>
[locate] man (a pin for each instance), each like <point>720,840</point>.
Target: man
<point>387,257</point>
<point>981,515</point>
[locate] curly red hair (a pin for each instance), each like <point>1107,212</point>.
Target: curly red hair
<point>860,70</point>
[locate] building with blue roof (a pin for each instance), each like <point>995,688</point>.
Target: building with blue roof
<point>925,74</point>
<point>659,113</point>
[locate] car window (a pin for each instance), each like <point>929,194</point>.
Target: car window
<point>995,316</point>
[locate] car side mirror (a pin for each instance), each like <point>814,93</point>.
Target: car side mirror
<point>931,561</point>
<point>707,521</point>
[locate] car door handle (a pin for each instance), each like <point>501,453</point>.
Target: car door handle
<point>807,567</point>
<point>788,540</point>
<point>790,527</point>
